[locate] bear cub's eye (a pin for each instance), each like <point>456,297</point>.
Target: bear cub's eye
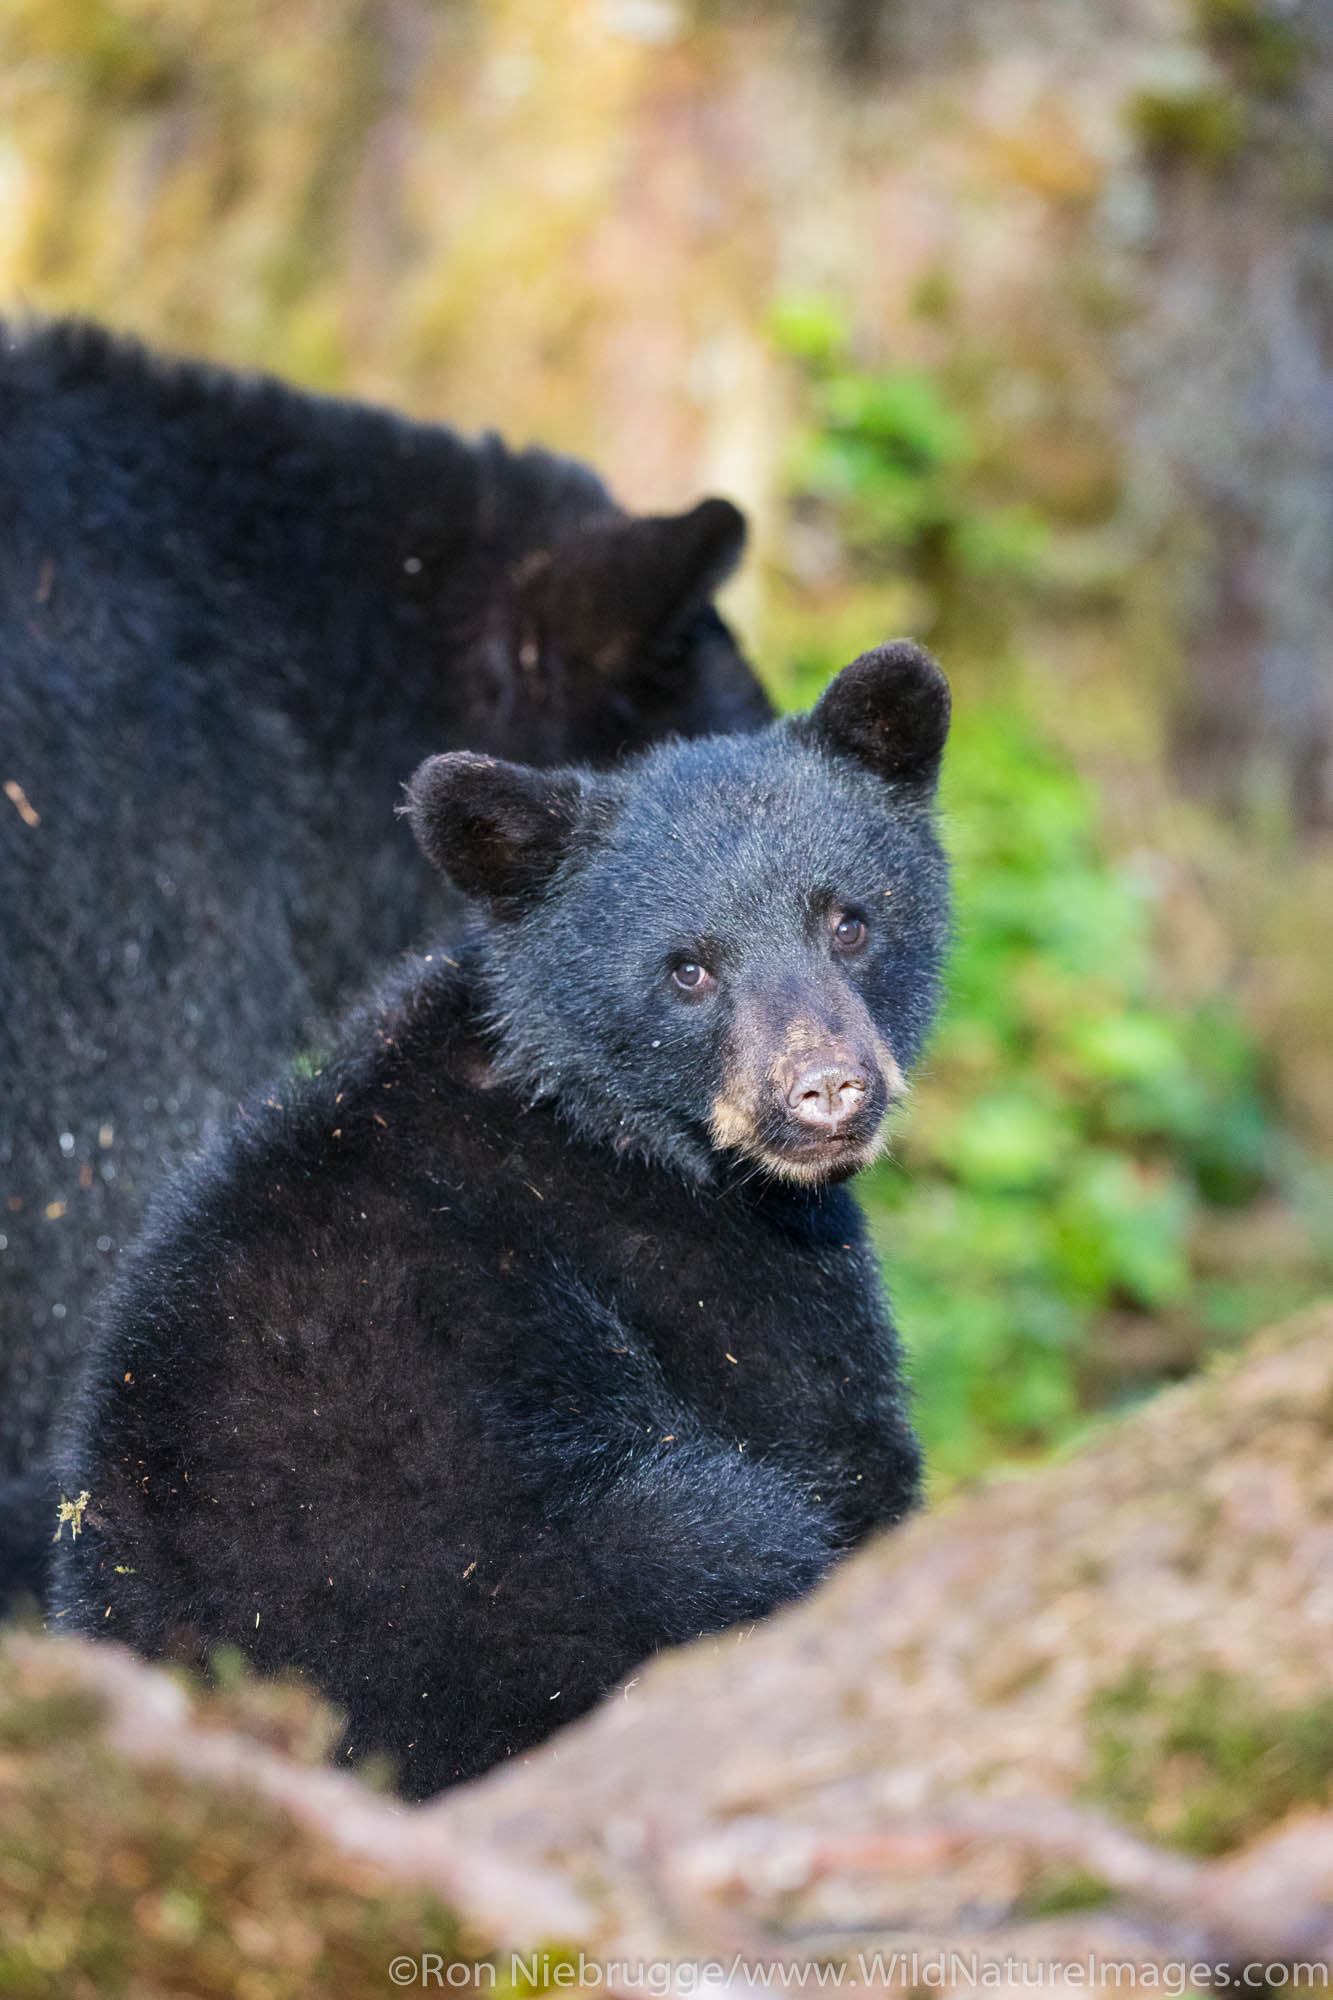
<point>849,932</point>
<point>692,978</point>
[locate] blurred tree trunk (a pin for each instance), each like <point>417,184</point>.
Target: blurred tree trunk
<point>1232,375</point>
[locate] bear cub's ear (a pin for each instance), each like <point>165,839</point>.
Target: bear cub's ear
<point>889,710</point>
<point>496,830</point>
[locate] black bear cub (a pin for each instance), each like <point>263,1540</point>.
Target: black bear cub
<point>537,1331</point>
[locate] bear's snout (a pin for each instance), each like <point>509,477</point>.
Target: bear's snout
<point>828,1092</point>
<point>807,1082</point>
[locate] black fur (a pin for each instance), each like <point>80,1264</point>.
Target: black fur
<point>233,618</point>
<point>28,1519</point>
<point>890,711</point>
<point>468,1372</point>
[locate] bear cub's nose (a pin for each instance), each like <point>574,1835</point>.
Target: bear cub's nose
<point>827,1094</point>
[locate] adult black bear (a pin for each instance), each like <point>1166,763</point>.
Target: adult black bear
<point>535,1332</point>
<point>233,619</point>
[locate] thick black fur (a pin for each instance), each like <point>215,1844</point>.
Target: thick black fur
<point>28,1518</point>
<point>233,619</point>
<point>466,1373</point>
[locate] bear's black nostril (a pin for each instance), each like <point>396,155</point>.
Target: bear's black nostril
<point>826,1096</point>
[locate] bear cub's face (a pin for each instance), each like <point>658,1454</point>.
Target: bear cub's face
<point>729,947</point>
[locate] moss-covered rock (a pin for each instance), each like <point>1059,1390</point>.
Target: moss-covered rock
<point>1206,1765</point>
<point>153,1845</point>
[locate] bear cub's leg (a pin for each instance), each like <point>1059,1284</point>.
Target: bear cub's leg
<point>687,1538</point>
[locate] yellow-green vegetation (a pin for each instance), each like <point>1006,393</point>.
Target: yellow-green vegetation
<point>419,204</point>
<point>116,1881</point>
<point>1077,1125</point>
<point>1261,58</point>
<point>1056,1891</point>
<point>1209,1765</point>
<point>1264,51</point>
<point>1208,126</point>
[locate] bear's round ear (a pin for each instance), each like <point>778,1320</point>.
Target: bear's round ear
<point>624,583</point>
<point>672,562</point>
<point>496,830</point>
<point>889,710</point>
<point>647,572</point>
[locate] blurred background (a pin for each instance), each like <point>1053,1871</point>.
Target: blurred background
<point>1010,324</point>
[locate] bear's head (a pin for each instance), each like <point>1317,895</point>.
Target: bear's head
<point>729,949</point>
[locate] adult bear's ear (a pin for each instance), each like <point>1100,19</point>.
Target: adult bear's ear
<point>497,830</point>
<point>889,710</point>
<point>627,581</point>
<point>662,567</point>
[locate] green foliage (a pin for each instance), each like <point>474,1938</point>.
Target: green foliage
<point>1073,1123</point>
<point>1208,1766</point>
<point>899,463</point>
<point>1075,1127</point>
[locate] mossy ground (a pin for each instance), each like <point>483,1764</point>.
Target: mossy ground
<point>1208,1764</point>
<point>116,1881</point>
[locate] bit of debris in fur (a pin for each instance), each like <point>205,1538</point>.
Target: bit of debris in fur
<point>22,805</point>
<point>71,1511</point>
